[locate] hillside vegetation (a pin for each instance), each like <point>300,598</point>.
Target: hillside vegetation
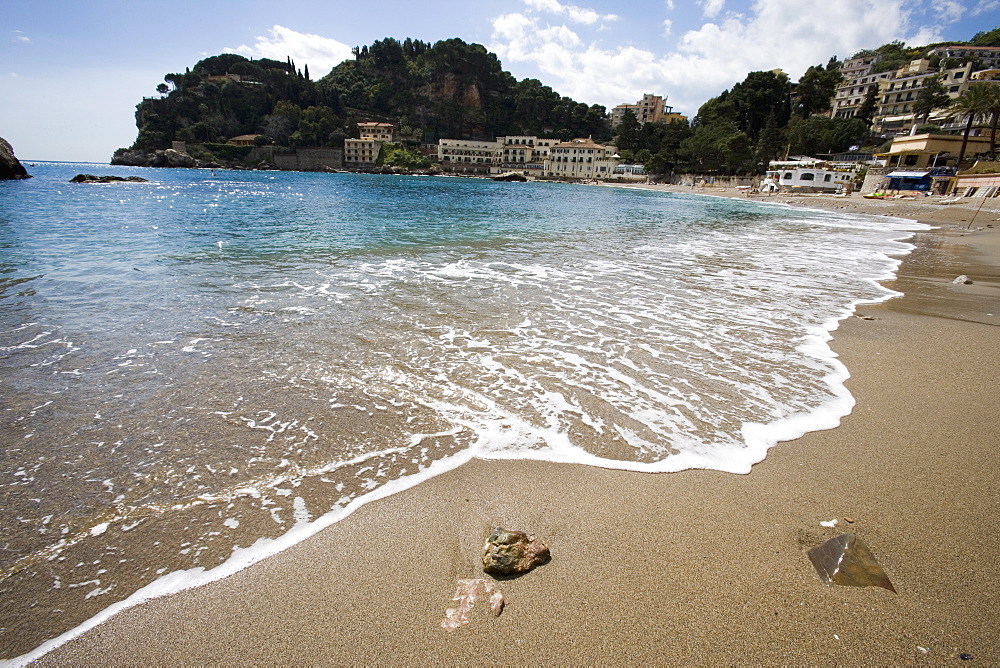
<point>449,89</point>
<point>456,90</point>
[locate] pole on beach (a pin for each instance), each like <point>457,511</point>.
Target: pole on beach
<point>976,214</point>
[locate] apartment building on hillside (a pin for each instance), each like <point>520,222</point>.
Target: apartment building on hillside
<point>858,80</point>
<point>899,92</point>
<point>650,109</point>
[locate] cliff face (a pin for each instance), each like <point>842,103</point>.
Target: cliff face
<point>10,167</point>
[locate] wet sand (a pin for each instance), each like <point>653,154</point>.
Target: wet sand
<point>693,567</point>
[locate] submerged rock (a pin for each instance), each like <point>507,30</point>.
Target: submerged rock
<point>466,595</point>
<point>90,178</point>
<point>10,166</point>
<point>513,552</point>
<point>962,280</point>
<point>846,560</point>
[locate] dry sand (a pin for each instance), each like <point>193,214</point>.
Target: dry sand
<point>693,567</point>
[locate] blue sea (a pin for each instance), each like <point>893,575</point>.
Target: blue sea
<point>198,371</point>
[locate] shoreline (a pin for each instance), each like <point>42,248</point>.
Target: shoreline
<point>696,566</point>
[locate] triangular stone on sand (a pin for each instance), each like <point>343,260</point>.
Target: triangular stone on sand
<point>846,560</point>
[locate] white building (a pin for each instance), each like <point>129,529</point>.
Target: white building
<point>581,159</point>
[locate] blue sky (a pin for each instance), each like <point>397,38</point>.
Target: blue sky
<point>72,71</point>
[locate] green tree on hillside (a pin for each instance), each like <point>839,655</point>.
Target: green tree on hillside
<point>990,38</point>
<point>869,108</point>
<point>628,132</point>
<point>816,89</point>
<point>933,95</point>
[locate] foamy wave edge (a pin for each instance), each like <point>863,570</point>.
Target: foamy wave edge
<point>759,438</point>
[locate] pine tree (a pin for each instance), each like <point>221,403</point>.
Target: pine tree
<point>870,106</point>
<point>932,95</point>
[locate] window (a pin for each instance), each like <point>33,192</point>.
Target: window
<point>807,176</point>
<point>959,75</point>
<point>787,176</point>
<point>828,178</point>
<point>911,160</point>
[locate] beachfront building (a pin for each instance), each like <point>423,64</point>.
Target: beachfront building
<point>650,109</point>
<point>859,79</point>
<point>524,154</point>
<point>927,151</point>
<point>362,153</point>
<point>468,156</point>
<point>983,180</point>
<point>581,159</point>
<point>530,156</point>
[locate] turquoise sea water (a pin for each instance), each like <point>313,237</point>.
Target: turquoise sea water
<point>200,370</point>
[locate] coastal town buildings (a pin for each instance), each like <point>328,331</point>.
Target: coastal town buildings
<point>362,153</point>
<point>533,157</point>
<point>957,68</point>
<point>650,109</point>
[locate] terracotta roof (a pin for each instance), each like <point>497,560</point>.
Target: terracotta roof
<point>579,143</point>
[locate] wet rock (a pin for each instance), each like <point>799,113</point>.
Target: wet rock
<point>90,178</point>
<point>176,158</point>
<point>10,166</point>
<point>510,176</point>
<point>466,595</point>
<point>962,280</point>
<point>513,552</point>
<point>846,560</point>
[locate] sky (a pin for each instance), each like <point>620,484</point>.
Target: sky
<point>72,71</point>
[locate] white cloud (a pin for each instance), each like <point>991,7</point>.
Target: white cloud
<point>984,6</point>
<point>574,13</point>
<point>668,27</point>
<point>670,5</point>
<point>711,8</point>
<point>19,36</point>
<point>711,58</point>
<point>322,54</point>
<point>949,11</point>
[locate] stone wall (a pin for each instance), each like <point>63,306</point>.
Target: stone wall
<point>715,181</point>
<point>875,179</point>
<point>299,160</point>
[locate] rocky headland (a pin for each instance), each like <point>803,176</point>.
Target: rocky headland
<point>10,166</point>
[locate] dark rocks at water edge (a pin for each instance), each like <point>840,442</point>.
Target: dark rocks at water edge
<point>513,552</point>
<point>90,178</point>
<point>164,158</point>
<point>511,176</point>
<point>10,166</point>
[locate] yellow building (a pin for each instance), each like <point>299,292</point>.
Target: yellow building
<point>580,159</point>
<point>931,150</point>
<point>362,153</point>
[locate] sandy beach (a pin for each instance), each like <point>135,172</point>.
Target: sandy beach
<point>693,567</point>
